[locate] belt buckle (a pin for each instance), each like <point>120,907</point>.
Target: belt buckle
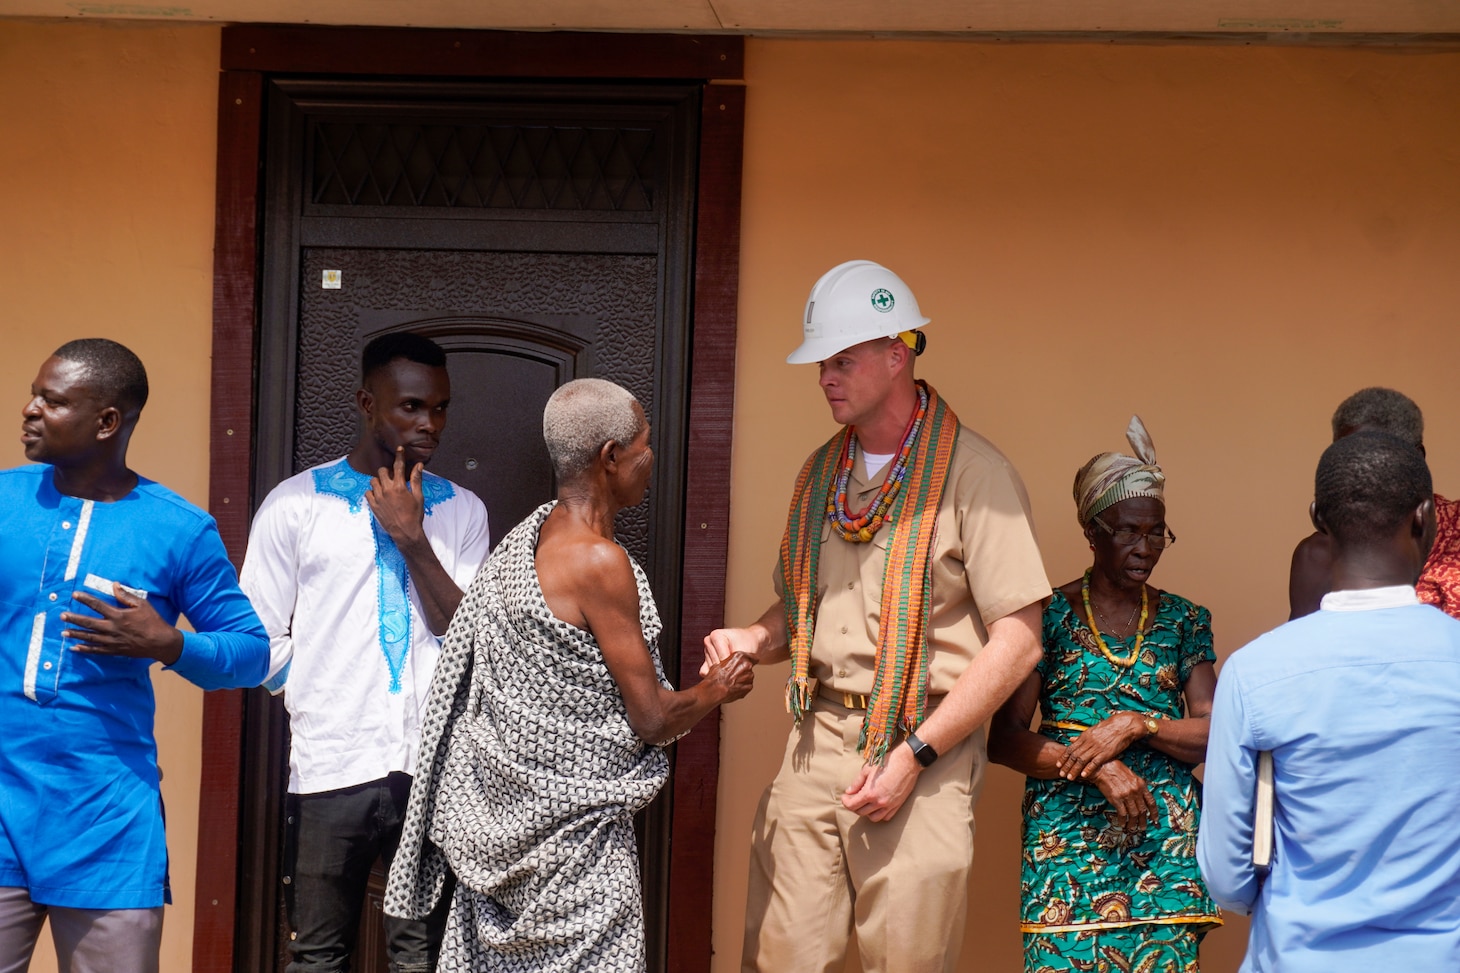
<point>854,701</point>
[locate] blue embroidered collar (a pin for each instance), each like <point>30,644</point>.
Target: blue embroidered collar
<point>340,479</point>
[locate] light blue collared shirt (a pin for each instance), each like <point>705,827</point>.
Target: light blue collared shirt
<point>1360,705</point>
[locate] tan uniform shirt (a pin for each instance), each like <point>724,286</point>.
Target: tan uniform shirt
<point>986,564</point>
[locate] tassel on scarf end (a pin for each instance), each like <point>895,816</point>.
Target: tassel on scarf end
<point>874,746</point>
<point>798,697</point>
<point>913,719</point>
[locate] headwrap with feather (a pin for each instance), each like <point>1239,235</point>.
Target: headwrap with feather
<point>1112,477</point>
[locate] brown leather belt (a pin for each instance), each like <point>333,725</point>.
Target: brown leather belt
<point>859,701</point>
<point>849,700</point>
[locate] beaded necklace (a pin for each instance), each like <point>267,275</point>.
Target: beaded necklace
<point>1135,653</point>
<point>862,528</point>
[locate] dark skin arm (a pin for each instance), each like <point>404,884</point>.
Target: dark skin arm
<point>399,507</point>
<point>1184,739</point>
<point>1310,575</point>
<point>132,629</point>
<point>587,581</point>
<point>1014,745</point>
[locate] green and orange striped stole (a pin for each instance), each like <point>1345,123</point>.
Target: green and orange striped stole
<point>899,690</point>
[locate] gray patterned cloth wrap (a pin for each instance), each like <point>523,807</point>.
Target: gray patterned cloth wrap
<point>527,784</point>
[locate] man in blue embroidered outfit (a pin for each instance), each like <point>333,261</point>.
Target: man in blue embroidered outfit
<point>98,564</point>
<point>356,568</point>
<point>911,590</point>
<point>1359,704</point>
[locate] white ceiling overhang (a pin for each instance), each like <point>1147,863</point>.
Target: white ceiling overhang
<point>1297,20</point>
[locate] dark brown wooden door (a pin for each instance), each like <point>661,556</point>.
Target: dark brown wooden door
<point>538,233</point>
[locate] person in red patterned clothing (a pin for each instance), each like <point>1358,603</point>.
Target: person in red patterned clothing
<point>1382,410</point>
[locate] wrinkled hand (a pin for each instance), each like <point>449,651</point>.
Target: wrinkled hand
<point>723,643</point>
<point>1103,742</point>
<point>396,500</point>
<point>732,678</point>
<point>133,629</point>
<point>1127,793</point>
<point>878,793</point>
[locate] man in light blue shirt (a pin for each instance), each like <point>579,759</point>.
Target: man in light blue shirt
<point>98,563</point>
<point>1359,704</point>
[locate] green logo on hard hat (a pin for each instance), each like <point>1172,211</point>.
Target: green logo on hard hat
<point>882,299</point>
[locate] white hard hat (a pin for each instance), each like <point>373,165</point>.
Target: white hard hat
<point>852,303</point>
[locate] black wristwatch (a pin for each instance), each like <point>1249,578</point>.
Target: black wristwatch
<point>925,754</point>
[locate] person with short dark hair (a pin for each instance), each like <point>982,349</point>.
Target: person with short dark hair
<point>1359,705</point>
<point>356,568</point>
<point>1384,410</point>
<point>548,722</point>
<point>407,345</point>
<point>98,564</point>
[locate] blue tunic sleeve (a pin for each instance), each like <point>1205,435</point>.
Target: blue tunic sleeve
<point>229,648</point>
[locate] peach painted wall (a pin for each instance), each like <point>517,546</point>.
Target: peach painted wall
<point>1227,240</point>
<point>107,212</point>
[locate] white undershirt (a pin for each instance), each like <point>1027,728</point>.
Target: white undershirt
<point>1369,599</point>
<point>875,461</point>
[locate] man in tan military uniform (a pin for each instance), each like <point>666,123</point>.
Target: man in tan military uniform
<point>840,840</point>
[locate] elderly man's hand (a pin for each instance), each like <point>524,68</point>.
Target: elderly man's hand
<point>732,678</point>
<point>132,629</point>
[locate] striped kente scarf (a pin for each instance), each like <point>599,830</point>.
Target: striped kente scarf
<point>899,690</point>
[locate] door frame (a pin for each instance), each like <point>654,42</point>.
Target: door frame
<point>249,54</point>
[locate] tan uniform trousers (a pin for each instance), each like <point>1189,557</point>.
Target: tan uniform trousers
<point>817,868</point>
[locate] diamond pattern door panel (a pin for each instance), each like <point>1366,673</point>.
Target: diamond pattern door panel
<point>487,166</point>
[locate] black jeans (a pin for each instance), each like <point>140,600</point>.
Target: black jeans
<point>332,840</point>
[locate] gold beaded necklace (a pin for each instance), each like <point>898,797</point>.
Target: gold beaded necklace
<point>863,527</point>
<point>1135,653</point>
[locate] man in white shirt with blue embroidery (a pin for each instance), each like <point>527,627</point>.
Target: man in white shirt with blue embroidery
<point>355,568</point>
<point>1359,704</point>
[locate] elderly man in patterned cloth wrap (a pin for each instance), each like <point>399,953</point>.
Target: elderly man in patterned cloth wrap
<point>911,593</point>
<point>547,721</point>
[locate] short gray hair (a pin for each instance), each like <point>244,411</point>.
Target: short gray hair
<point>583,415</point>
<point>1383,410</point>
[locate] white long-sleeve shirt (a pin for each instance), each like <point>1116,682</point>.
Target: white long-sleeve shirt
<point>351,649</point>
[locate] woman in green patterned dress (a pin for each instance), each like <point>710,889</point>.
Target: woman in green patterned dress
<point>1110,879</point>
